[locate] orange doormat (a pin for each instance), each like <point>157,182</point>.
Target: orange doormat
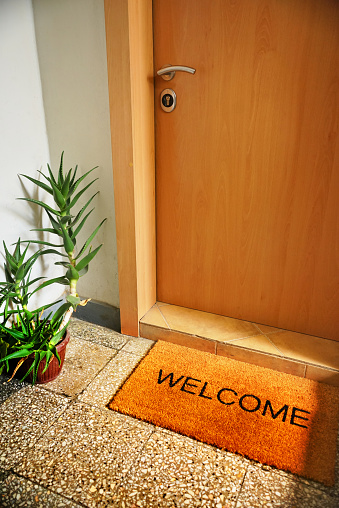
<point>277,419</point>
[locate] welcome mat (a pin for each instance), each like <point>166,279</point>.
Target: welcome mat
<point>277,419</point>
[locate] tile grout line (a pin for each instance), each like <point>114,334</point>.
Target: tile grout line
<point>236,342</point>
<point>49,424</point>
<point>163,317</point>
<point>282,354</point>
<point>241,486</point>
<point>267,337</point>
<point>137,459</point>
<point>128,374</point>
<point>49,488</point>
<point>243,338</point>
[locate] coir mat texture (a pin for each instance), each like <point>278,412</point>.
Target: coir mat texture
<point>277,419</point>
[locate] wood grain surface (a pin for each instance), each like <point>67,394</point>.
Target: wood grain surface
<point>247,165</point>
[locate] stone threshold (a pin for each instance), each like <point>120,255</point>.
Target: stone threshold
<point>316,359</point>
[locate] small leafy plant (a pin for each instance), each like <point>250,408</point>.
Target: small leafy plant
<point>23,331</point>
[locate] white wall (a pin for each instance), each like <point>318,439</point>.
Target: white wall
<point>71,46</point>
<point>23,137</point>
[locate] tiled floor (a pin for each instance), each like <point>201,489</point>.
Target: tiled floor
<point>285,351</point>
<point>61,447</point>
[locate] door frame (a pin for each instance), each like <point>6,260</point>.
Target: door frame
<point>129,45</point>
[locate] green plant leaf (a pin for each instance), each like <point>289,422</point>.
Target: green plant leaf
<point>20,274</point>
<point>30,282</point>
<point>55,223</point>
<point>46,177</point>
<point>58,197</point>
<point>60,174</point>
<point>10,260</point>
<point>47,306</point>
<point>52,251</point>
<point>56,354</point>
<point>65,219</point>
<point>8,274</point>
<point>54,341</point>
<point>80,193</point>
<point>23,255</point>
<point>73,300</point>
<point>37,359</point>
<point>38,183</point>
<point>59,313</point>
<point>80,226</point>
<point>66,184</point>
<point>42,204</point>
<point>75,184</point>
<point>68,243</point>
<point>51,179</point>
<point>49,356</point>
<point>87,259</point>
<point>41,242</point>
<point>83,271</point>
<point>72,273</point>
<point>12,332</point>
<point>17,354</point>
<point>82,210</point>
<point>17,253</point>
<point>27,373</point>
<point>65,264</point>
<point>71,184</point>
<point>57,280</point>
<point>89,240</point>
<point>47,230</point>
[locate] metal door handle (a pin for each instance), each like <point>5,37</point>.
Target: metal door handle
<point>168,72</point>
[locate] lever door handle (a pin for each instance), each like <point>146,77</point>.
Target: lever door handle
<point>168,72</point>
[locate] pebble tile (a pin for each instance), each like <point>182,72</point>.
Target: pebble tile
<point>82,363</point>
<point>102,389</point>
<point>138,346</point>
<point>25,417</point>
<point>176,471</point>
<point>97,334</point>
<point>58,451</point>
<point>266,488</point>
<point>7,388</point>
<point>85,454</point>
<point>16,492</point>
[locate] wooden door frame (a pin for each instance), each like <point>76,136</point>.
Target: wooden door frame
<point>129,43</point>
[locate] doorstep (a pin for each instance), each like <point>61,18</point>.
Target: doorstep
<point>282,350</point>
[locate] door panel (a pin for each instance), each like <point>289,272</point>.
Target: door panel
<point>247,178</point>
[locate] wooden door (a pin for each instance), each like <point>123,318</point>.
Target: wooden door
<point>247,178</point>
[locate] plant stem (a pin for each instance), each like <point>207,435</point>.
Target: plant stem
<point>66,318</point>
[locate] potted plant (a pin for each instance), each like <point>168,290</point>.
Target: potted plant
<point>36,338</point>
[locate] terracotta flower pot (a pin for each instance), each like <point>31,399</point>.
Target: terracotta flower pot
<point>53,368</point>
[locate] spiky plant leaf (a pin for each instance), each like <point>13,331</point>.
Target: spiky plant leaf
<point>90,239</point>
<point>82,223</point>
<point>42,204</point>
<point>47,230</point>
<point>60,174</point>
<point>79,215</point>
<point>38,183</point>
<point>58,197</point>
<point>87,259</point>
<point>80,193</point>
<point>75,183</point>
<point>66,185</point>
<point>72,273</point>
<point>73,300</point>
<point>68,242</point>
<point>51,179</point>
<point>56,280</point>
